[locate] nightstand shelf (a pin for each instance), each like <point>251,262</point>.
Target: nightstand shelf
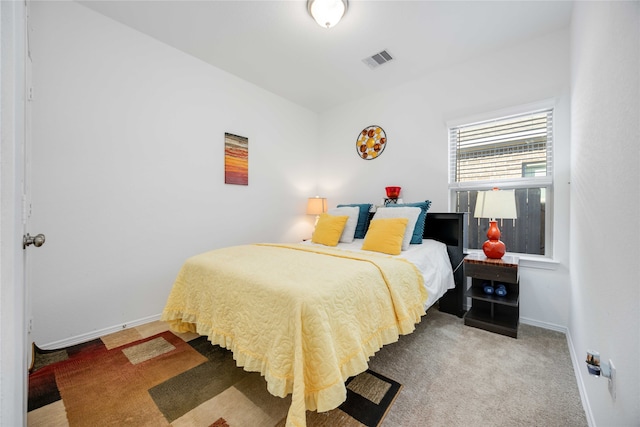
<point>499,314</point>
<point>477,293</point>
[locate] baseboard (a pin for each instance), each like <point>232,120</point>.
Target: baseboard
<point>543,325</point>
<point>578,368</point>
<point>78,339</point>
<point>533,322</point>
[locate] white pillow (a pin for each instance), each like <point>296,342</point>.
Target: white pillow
<point>350,227</point>
<point>410,213</point>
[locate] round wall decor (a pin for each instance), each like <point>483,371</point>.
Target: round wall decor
<point>371,142</point>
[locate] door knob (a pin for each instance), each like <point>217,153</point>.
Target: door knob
<point>37,240</point>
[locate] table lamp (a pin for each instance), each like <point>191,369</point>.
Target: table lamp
<point>316,206</point>
<point>495,204</point>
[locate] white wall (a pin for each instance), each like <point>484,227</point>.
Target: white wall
<point>415,117</point>
<point>128,158</point>
<point>605,203</point>
<point>128,169</point>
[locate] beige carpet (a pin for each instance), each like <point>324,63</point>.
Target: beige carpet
<point>452,375</point>
<point>456,375</point>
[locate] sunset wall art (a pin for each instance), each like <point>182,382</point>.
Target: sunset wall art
<point>236,159</point>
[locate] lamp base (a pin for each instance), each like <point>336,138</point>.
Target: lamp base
<point>494,249</point>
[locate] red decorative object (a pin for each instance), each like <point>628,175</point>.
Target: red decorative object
<point>393,192</point>
<point>494,247</point>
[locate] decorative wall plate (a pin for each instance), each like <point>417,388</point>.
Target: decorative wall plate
<point>371,142</point>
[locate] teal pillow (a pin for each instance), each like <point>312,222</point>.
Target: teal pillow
<point>363,219</point>
<point>418,231</point>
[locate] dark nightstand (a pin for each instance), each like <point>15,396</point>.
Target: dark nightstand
<point>499,314</point>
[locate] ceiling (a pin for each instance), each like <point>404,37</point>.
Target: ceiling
<point>279,47</point>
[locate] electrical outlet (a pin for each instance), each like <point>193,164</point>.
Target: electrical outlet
<point>612,380</point>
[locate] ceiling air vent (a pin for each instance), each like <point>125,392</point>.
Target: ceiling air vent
<point>378,59</point>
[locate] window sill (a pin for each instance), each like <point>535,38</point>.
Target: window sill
<point>530,261</point>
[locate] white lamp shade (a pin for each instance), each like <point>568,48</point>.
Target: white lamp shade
<point>316,205</point>
<point>327,13</point>
<point>496,204</point>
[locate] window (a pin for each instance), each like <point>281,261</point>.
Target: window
<point>513,152</point>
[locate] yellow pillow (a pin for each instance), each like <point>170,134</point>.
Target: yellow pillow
<point>329,229</point>
<point>385,235</point>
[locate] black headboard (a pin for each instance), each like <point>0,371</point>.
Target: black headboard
<point>449,228</point>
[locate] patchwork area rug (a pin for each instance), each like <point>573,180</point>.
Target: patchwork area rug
<point>149,376</point>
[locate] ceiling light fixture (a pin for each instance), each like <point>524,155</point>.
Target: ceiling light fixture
<point>327,13</point>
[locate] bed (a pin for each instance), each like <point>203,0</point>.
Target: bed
<point>307,316</point>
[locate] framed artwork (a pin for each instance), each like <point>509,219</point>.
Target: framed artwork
<point>371,142</point>
<point>236,159</point>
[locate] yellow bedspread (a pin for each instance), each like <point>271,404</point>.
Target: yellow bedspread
<point>307,318</point>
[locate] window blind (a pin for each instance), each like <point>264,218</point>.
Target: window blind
<point>510,148</point>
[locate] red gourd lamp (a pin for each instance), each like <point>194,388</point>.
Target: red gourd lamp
<point>495,204</point>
